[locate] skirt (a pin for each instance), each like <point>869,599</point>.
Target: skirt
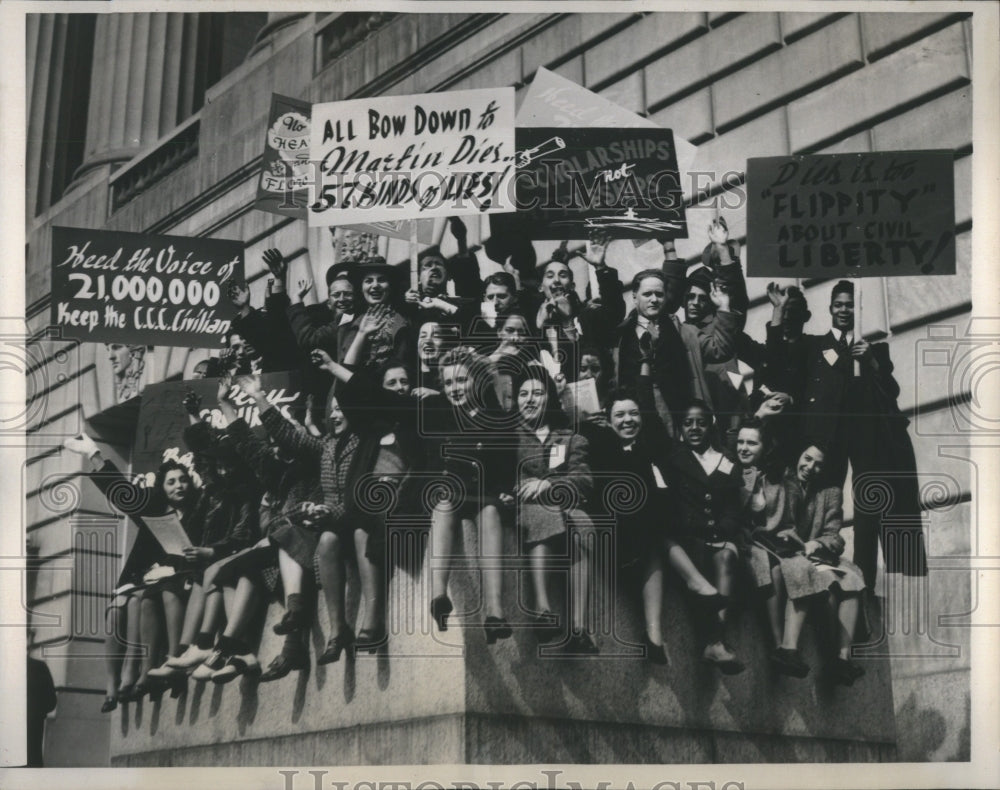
<point>804,577</point>
<point>538,523</point>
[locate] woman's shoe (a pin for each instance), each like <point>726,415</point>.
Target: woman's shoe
<point>294,620</point>
<point>723,659</point>
<point>789,662</point>
<point>497,628</point>
<point>440,609</point>
<point>215,661</point>
<point>709,604</point>
<point>110,703</point>
<point>284,664</point>
<point>370,639</point>
<point>166,672</point>
<point>124,693</point>
<point>654,653</point>
<point>246,664</point>
<point>336,646</point>
<point>190,658</point>
<point>844,672</point>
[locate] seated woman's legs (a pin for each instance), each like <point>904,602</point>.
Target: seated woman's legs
<point>444,521</point>
<point>652,598</point>
<point>795,618</point>
<point>845,609</point>
<point>172,596</point>
<point>539,554</point>
<point>371,585</point>
<point>775,605</point>
<point>330,560</point>
<point>491,560</point>
<point>717,652</point>
<point>150,627</point>
<point>682,565</point>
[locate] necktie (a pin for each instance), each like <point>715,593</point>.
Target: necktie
<point>645,341</point>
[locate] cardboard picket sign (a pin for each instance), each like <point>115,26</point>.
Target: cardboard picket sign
<point>140,289</point>
<point>286,167</point>
<point>571,182</point>
<point>159,432</point>
<point>888,213</point>
<point>412,157</point>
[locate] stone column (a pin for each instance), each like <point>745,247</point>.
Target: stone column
<point>276,21</point>
<point>143,83</point>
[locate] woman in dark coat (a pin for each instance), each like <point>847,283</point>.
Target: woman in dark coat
<point>706,489</point>
<point>629,460</point>
<point>466,427</point>
<point>137,607</point>
<point>554,485</point>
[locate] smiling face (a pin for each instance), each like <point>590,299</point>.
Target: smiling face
<point>336,421</point>
<point>200,370</point>
<point>396,380</point>
<point>809,465</point>
<point>175,486</point>
<point>375,288</point>
<point>650,297</point>
<point>457,383</point>
<point>499,296</point>
<point>432,276</point>
<point>340,297</point>
<point>842,312</point>
<point>430,339</point>
<point>556,279</point>
<point>625,419</point>
<point>532,397</point>
<point>696,304</point>
<point>749,446</point>
<point>695,428</point>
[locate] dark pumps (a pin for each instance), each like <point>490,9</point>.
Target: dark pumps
<point>655,654</point>
<point>285,664</point>
<point>294,620</point>
<point>370,639</point>
<point>441,607</point>
<point>496,628</point>
<point>789,662</point>
<point>336,646</point>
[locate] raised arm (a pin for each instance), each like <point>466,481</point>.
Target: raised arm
<point>289,436</point>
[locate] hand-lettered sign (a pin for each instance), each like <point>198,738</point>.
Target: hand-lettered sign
<point>571,182</point>
<point>286,166</point>
<point>411,157</point>
<point>118,287</point>
<point>882,214</point>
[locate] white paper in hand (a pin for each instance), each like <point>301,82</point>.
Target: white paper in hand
<point>169,532</point>
<point>549,363</point>
<point>585,398</point>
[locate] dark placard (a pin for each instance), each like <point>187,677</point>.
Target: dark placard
<point>159,434</point>
<point>572,181</point>
<point>117,287</point>
<point>286,169</point>
<point>884,214</point>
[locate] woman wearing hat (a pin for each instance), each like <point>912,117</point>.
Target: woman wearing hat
<point>381,290</point>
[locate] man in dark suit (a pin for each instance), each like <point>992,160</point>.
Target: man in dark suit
<point>849,402</point>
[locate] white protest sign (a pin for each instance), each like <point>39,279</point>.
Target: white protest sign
<point>409,157</point>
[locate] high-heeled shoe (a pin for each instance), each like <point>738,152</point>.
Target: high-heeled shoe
<point>110,703</point>
<point>370,639</point>
<point>496,628</point>
<point>441,607</point>
<point>293,620</point>
<point>654,653</point>
<point>124,693</point>
<point>580,644</point>
<point>336,646</point>
<point>709,604</point>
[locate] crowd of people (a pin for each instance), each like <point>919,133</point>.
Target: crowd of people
<point>733,450</point>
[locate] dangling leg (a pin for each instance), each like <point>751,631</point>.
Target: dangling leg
<point>370,571</point>
<point>491,560</point>
<point>652,607</point>
<point>681,564</point>
<point>294,653</point>
<point>845,614</point>
<point>444,521</point>
<point>241,604</point>
<point>173,613</point>
<point>775,605</point>
<point>539,554</point>
<point>717,652</point>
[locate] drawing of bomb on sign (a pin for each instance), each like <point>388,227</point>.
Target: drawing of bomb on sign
<point>572,181</point>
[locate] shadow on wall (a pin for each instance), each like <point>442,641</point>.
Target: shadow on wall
<point>923,732</point>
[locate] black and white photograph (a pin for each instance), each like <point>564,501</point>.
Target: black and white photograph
<point>529,395</point>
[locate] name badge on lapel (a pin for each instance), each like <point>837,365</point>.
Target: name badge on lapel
<point>831,356</point>
<point>388,440</point>
<point>557,456</point>
<point>660,482</point>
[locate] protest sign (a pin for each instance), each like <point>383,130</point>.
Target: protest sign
<point>553,100</point>
<point>117,287</point>
<point>399,229</point>
<point>571,182</point>
<point>410,157</point>
<point>890,213</point>
<point>286,169</point>
<point>159,433</point>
